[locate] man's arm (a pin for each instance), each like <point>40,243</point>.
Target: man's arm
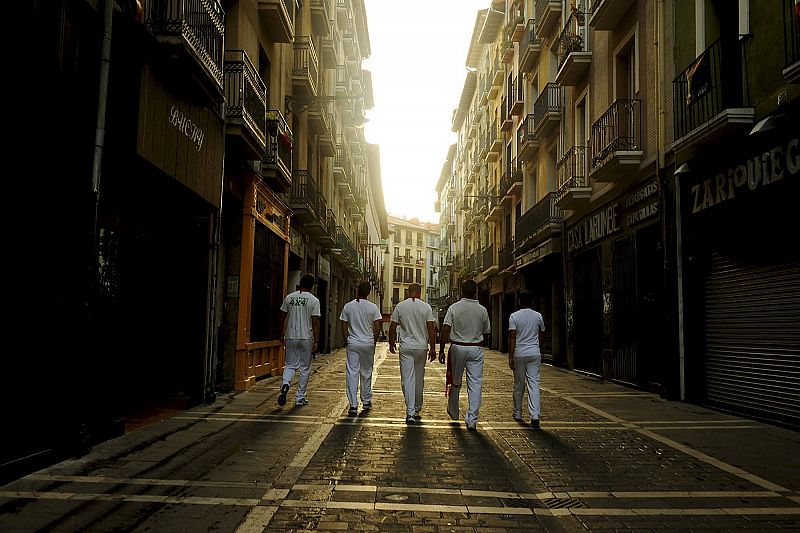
<point>512,347</point>
<point>281,326</point>
<point>445,336</point>
<point>315,332</point>
<point>376,330</point>
<point>392,336</point>
<point>345,330</point>
<point>432,340</point>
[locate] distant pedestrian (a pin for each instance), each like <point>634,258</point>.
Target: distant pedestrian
<point>417,332</point>
<point>525,356</point>
<point>466,326</point>
<point>299,327</point>
<point>361,326</point>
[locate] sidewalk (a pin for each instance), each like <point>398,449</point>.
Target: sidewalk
<point>606,458</point>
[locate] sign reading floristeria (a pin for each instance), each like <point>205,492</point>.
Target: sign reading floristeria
<point>756,173</point>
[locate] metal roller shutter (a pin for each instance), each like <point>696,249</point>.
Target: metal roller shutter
<point>752,336</point>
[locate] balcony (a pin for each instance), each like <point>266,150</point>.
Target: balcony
<point>708,101</point>
<point>319,116</point>
<point>490,263</point>
<point>195,29</point>
<point>343,13</point>
<point>530,46</point>
<point>616,141</point>
<point>548,13</point>
<point>345,251</point>
<point>327,239</point>
<point>539,223</point>
<point>607,14</point>
<point>573,186</point>
<point>303,198</point>
<point>319,225</point>
<point>277,163</point>
<point>277,18</point>
<point>305,70</point>
<point>327,145</point>
<point>574,56</point>
<point>506,121</point>
<point>246,97</point>
<point>498,78</point>
<point>506,256</point>
<point>527,143</point>
<point>319,17</point>
<point>507,51</point>
<point>328,51</point>
<point>495,143</point>
<point>547,110</point>
<point>495,205</point>
<point>791,40</point>
<point>516,20</point>
<point>517,99</point>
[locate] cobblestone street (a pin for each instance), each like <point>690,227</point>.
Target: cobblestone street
<point>606,458</point>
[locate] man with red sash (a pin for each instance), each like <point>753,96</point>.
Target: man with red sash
<point>466,325</point>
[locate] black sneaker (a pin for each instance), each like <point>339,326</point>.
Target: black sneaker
<point>353,411</point>
<point>417,417</point>
<point>410,420</point>
<point>367,406</point>
<point>282,396</point>
<point>535,423</point>
<point>472,427</point>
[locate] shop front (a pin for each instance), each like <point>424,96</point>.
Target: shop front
<point>614,296</point>
<point>741,274</point>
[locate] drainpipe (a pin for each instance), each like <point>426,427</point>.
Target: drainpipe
<point>99,141</point>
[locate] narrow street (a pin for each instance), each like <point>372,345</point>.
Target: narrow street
<point>606,458</point>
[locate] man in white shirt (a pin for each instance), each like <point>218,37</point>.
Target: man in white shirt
<point>300,337</point>
<point>361,326</point>
<point>416,322</point>
<point>466,325</point>
<point>525,356</point>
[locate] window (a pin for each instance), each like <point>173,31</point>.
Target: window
<point>396,295</point>
<point>408,275</point>
<point>398,274</point>
<point>419,276</point>
<point>408,255</point>
<point>431,280</point>
<point>409,237</point>
<point>396,251</point>
<point>419,239</point>
<point>419,254</point>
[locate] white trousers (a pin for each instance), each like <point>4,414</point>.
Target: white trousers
<point>471,359</point>
<point>298,359</point>
<point>412,375</point>
<point>360,360</point>
<point>526,373</point>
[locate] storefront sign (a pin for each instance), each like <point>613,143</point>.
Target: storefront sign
<point>324,269</point>
<point>269,213</point>
<point>185,126</point>
<point>598,226</point>
<point>296,244</point>
<point>754,174</point>
<point>641,204</point>
<point>538,253</point>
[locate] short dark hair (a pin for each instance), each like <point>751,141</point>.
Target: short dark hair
<point>307,281</point>
<point>415,288</point>
<point>525,298</point>
<point>469,288</point>
<point>364,288</point>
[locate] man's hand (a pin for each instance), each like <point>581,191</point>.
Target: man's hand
<point>511,362</point>
<point>392,347</point>
<point>441,357</point>
<point>432,354</point>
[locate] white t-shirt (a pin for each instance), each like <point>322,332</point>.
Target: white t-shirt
<point>300,306</point>
<point>413,315</point>
<point>468,321</point>
<point>360,315</point>
<point>527,323</point>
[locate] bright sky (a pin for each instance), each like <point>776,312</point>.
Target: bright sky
<point>419,48</point>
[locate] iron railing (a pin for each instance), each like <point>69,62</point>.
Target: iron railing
<point>532,223</point>
<point>529,37</point>
<point>525,131</point>
<point>709,85</point>
<point>200,24</point>
<point>573,36</point>
<point>279,142</point>
<point>489,258</point>
<point>550,101</point>
<point>618,129</point>
<point>245,94</point>
<point>306,63</point>
<point>572,169</point>
<point>506,255</point>
<point>304,192</point>
<point>791,25</point>
<point>346,245</point>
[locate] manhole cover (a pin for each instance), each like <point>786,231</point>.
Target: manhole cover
<point>549,503</point>
<point>396,497</point>
<point>563,503</point>
<point>522,504</point>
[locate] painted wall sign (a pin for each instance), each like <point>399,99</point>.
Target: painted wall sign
<point>754,174</point>
<point>595,227</point>
<point>641,204</point>
<point>185,126</point>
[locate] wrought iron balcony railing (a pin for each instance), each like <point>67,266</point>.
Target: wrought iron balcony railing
<point>548,106</point>
<point>506,255</point>
<point>708,86</point>
<point>344,243</point>
<point>197,25</point>
<point>529,47</point>
<point>489,257</point>
<point>303,198</point>
<point>572,169</point>
<point>537,224</point>
<point>618,129</point>
<point>279,143</point>
<point>306,63</point>
<point>573,36</point>
<point>246,95</point>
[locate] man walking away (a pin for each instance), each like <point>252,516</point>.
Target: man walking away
<point>361,326</point>
<point>300,337</point>
<point>416,322</point>
<point>466,325</point>
<point>525,356</point>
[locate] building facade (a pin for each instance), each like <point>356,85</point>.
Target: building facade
<point>408,249</point>
<point>606,152</point>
